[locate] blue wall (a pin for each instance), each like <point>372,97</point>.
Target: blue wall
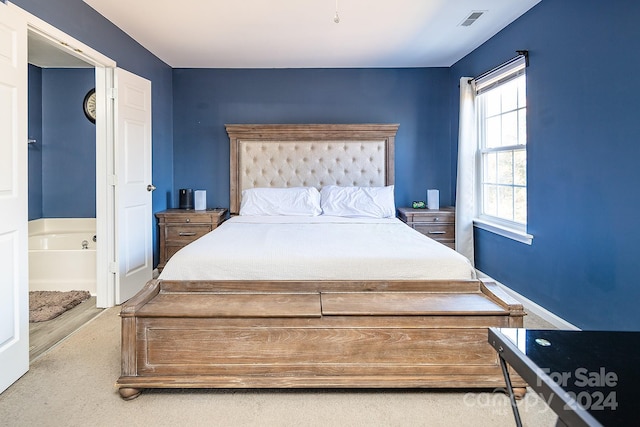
<point>62,161</point>
<point>583,155</point>
<point>205,100</point>
<point>35,149</point>
<point>68,145</point>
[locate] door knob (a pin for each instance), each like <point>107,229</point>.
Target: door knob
<point>151,187</point>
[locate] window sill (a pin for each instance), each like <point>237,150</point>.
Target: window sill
<point>510,233</point>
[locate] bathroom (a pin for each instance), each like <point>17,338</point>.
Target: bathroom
<point>62,177</point>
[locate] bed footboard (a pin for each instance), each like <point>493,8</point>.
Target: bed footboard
<point>225,334</point>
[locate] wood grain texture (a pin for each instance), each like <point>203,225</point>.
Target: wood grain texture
<point>266,286</point>
<point>233,305</point>
<point>327,334</point>
<point>321,351</point>
<point>406,304</point>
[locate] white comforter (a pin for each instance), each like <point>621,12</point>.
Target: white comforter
<point>315,248</point>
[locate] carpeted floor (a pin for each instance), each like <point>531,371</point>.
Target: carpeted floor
<point>73,385</point>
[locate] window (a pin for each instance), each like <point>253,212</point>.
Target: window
<point>501,108</point>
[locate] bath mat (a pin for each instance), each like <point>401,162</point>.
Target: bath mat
<point>47,305</point>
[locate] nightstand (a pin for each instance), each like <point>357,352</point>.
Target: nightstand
<point>179,227</point>
<point>438,224</point>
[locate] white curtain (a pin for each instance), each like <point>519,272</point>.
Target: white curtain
<point>465,186</point>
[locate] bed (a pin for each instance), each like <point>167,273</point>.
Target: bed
<point>309,301</point>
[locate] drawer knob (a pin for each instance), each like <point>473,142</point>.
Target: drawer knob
<point>188,220</point>
<point>436,219</point>
<point>184,233</point>
<point>437,232</point>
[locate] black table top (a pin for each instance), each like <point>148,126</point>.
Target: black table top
<point>600,370</point>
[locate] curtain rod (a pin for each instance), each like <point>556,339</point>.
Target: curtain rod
<point>520,53</point>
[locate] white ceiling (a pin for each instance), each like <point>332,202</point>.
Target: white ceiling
<point>302,34</point>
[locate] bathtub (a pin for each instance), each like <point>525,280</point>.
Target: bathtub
<point>62,254</point>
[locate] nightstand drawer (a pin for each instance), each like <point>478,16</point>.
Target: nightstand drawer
<point>436,231</point>
<point>186,233</point>
<point>411,216</point>
<point>189,218</point>
<point>431,217</point>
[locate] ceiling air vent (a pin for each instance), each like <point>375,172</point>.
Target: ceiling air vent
<point>473,17</point>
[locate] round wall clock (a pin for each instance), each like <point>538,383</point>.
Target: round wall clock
<point>89,105</point>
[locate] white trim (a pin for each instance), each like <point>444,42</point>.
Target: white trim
<point>105,201</point>
<point>508,232</point>
<point>534,308</point>
<point>509,228</point>
<point>64,41</point>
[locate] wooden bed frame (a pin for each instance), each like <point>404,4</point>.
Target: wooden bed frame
<point>313,333</point>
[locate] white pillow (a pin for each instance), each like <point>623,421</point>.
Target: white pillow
<point>371,202</point>
<point>296,201</point>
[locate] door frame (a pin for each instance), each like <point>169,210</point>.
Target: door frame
<point>106,267</point>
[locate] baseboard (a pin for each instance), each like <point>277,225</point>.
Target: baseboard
<point>534,308</point>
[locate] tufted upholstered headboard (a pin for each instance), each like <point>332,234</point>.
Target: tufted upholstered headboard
<point>312,155</point>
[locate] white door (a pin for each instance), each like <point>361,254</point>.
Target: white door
<point>134,219</point>
<point>14,279</point>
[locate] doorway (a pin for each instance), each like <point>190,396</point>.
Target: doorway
<point>62,171</point>
<point>62,187</point>
<point>52,48</point>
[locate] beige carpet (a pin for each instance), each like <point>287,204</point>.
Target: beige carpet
<point>73,385</point>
